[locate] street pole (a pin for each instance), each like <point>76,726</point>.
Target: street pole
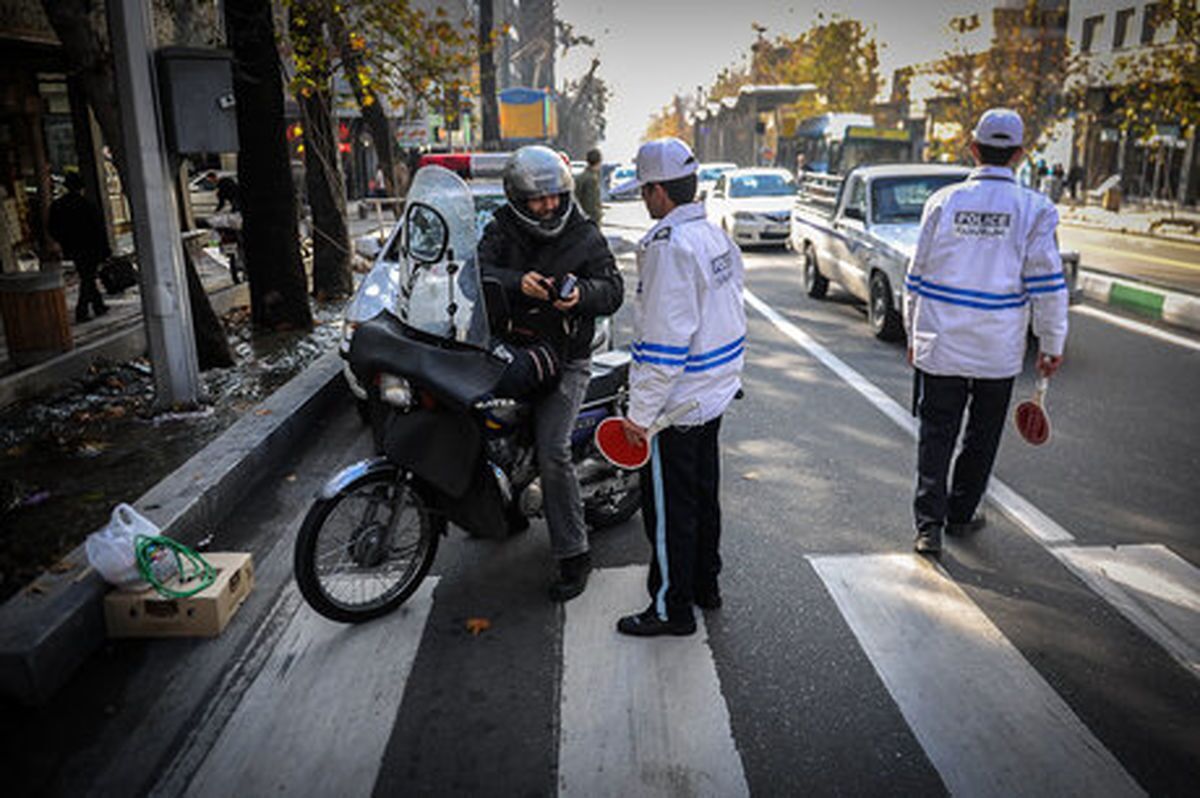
<point>165,305</point>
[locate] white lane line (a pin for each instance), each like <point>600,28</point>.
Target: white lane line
<point>1176,631</point>
<point>316,720</point>
<point>1137,327</point>
<point>1150,585</point>
<point>639,717</point>
<point>985,717</point>
<point>1035,523</point>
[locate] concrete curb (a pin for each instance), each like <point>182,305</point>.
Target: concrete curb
<point>49,629</point>
<point>1182,310</point>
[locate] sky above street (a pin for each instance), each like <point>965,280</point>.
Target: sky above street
<point>650,49</point>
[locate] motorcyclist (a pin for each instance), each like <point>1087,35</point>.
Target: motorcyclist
<point>559,275</point>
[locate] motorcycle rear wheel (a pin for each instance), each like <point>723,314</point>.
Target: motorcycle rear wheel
<point>612,510</point>
<point>361,553</point>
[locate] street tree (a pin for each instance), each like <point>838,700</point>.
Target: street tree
<point>310,31</point>
<point>1028,67</point>
<point>1161,84</point>
<point>278,285</point>
<point>671,120</point>
<point>582,102</point>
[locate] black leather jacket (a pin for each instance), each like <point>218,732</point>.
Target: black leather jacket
<point>508,250</point>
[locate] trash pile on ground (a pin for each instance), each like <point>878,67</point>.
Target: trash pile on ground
<point>68,458</point>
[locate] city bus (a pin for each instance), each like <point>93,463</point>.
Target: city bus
<point>836,143</point>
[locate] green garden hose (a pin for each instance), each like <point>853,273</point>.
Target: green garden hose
<point>149,549</point>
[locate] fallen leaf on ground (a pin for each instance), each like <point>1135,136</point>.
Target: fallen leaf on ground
<point>478,626</point>
<point>262,411</point>
<point>290,477</point>
<point>750,475</point>
<point>61,567</point>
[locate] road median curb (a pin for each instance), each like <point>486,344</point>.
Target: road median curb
<point>1127,231</point>
<point>1150,301</point>
<point>52,626</point>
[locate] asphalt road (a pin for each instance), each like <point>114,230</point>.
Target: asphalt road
<point>1165,263</point>
<point>841,663</point>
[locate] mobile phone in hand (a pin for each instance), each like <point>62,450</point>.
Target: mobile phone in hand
<point>567,286</point>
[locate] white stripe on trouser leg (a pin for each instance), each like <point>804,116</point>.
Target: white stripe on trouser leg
<point>660,529</point>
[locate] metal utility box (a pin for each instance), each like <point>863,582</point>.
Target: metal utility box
<point>196,85</point>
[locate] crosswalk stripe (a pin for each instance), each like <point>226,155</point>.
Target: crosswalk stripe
<point>316,720</point>
<point>1152,586</point>
<point>639,717</point>
<point>985,717</point>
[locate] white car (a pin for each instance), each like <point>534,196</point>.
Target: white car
<point>754,206</point>
<point>707,175</point>
<point>622,174</point>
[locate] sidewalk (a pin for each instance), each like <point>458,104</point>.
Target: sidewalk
<point>1182,225</point>
<point>117,335</point>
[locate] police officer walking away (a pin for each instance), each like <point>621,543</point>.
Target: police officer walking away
<point>689,343</point>
<point>559,274</point>
<point>986,258</point>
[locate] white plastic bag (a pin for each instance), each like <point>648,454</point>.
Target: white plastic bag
<point>111,550</point>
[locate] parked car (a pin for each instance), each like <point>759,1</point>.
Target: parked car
<point>621,175</point>
<point>753,205</point>
<point>707,174</point>
<point>861,231</point>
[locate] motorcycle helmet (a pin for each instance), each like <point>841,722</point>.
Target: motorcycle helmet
<point>537,171</point>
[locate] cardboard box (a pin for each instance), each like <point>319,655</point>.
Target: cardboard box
<point>149,614</point>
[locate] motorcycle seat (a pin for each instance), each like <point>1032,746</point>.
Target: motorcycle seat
<point>610,373</point>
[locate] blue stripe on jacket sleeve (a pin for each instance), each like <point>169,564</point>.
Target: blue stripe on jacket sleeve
<point>716,352</point>
<point>1041,278</point>
<point>946,289</point>
<point>712,364</point>
<point>974,304</point>
<point>658,361</point>
<point>1046,289</point>
<point>642,346</point>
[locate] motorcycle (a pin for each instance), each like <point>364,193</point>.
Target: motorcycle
<point>454,447</point>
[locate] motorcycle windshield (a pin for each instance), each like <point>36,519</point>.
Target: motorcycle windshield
<point>439,285</point>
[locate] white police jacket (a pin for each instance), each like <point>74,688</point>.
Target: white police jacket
<point>689,321</point>
<point>986,258</point>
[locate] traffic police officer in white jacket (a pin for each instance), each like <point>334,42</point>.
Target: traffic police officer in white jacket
<point>986,259</point>
<point>690,339</point>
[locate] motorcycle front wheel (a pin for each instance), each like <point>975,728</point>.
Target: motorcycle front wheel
<point>361,553</point>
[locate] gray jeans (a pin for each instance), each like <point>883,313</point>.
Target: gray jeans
<point>554,419</point>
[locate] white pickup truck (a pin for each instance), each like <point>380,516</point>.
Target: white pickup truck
<point>861,230</point>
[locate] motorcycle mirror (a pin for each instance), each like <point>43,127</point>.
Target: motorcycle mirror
<point>425,233</point>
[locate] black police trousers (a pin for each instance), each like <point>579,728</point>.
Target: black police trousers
<point>939,403</point>
<point>681,510</point>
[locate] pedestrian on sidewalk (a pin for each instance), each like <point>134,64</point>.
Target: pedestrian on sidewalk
<point>689,342</point>
<point>559,274</point>
<point>587,187</point>
<point>986,257</point>
<point>78,226</point>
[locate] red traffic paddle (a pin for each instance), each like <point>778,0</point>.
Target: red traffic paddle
<point>1030,416</point>
<point>620,451</point>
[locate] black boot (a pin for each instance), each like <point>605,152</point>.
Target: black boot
<point>572,577</point>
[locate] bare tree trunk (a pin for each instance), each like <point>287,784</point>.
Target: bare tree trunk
<point>377,122</point>
<point>327,199</point>
<point>487,78</point>
<point>212,345</point>
<point>278,287</point>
